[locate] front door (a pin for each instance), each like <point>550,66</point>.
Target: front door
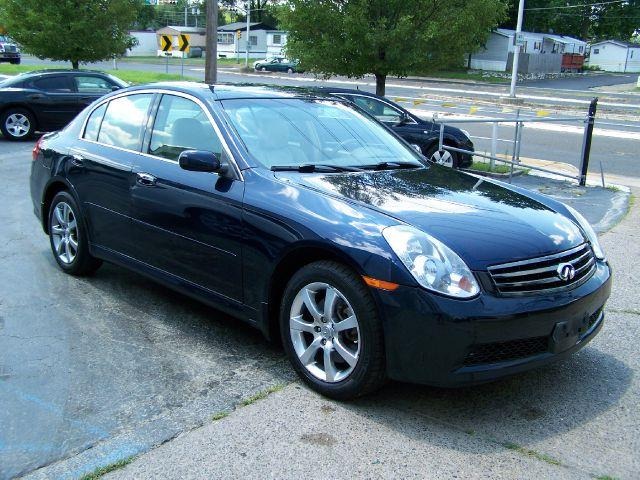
<point>90,88</point>
<point>188,224</point>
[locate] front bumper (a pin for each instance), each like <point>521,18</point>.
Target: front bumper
<point>441,341</point>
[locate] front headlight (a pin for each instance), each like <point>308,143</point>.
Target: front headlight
<point>588,231</point>
<point>434,265</point>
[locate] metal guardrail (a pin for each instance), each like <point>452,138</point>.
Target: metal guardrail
<point>519,122</point>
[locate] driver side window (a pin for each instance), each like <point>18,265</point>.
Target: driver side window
<point>181,125</point>
<point>378,109</point>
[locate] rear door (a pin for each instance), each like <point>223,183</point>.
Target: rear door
<point>101,168</point>
<point>188,224</point>
<point>54,100</point>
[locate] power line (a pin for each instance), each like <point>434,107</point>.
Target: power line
<point>578,6</point>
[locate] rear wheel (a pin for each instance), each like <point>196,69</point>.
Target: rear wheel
<point>68,237</point>
<point>331,331</point>
<point>289,70</point>
<point>443,157</point>
<point>17,124</point>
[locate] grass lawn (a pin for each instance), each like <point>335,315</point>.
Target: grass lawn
<point>132,76</point>
<point>187,61</point>
<point>486,167</point>
<point>457,75</point>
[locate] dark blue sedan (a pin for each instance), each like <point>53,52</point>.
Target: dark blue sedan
<point>307,218</point>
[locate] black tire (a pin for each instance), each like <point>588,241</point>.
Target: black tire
<point>369,372</point>
<point>7,119</point>
<point>290,70</point>
<point>16,61</point>
<point>263,69</point>
<point>433,149</point>
<point>82,262</point>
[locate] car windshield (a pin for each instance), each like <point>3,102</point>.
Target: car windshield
<point>307,132</point>
<point>5,39</point>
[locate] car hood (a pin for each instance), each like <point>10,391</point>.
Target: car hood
<point>485,223</point>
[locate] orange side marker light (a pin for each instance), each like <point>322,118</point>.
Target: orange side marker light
<point>380,284</point>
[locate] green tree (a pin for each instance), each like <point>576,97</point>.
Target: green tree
<point>386,37</point>
<point>589,20</point>
<point>71,30</point>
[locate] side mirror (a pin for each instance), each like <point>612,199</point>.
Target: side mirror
<point>404,119</point>
<point>202,161</point>
<point>416,147</point>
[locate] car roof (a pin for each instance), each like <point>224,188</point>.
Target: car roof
<point>228,91</point>
<point>338,90</point>
<point>59,71</point>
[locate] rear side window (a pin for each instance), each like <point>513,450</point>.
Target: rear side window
<point>93,124</point>
<point>59,84</point>
<point>124,121</point>
<point>91,84</point>
<point>181,125</point>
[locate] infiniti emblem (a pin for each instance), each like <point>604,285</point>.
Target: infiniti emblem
<point>566,272</point>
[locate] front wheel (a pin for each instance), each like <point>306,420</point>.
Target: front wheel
<point>442,157</point>
<point>262,69</point>
<point>15,61</point>
<point>68,237</point>
<point>332,332</point>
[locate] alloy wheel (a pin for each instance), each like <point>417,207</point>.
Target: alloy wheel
<point>442,157</point>
<point>64,233</point>
<point>18,125</point>
<point>324,332</point>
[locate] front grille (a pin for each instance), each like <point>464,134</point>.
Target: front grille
<point>540,275</point>
<point>504,351</point>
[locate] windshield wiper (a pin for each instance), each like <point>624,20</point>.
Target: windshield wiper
<point>314,167</point>
<point>392,165</point>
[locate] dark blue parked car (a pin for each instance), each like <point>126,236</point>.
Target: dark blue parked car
<point>296,212</point>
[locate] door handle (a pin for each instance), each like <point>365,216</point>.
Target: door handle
<point>36,96</point>
<point>77,161</point>
<point>145,179</point>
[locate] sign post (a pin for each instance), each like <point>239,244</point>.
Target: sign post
<point>184,42</point>
<point>165,45</point>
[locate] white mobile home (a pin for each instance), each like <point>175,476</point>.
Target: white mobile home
<point>497,53</point>
<point>264,41</point>
<point>615,56</point>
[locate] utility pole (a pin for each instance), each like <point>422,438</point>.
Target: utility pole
<point>516,53</point>
<point>211,51</point>
<point>246,54</point>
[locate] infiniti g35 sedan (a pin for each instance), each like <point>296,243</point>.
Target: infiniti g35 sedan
<point>302,215</point>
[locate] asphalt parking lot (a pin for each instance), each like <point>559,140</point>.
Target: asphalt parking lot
<point>96,370</point>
